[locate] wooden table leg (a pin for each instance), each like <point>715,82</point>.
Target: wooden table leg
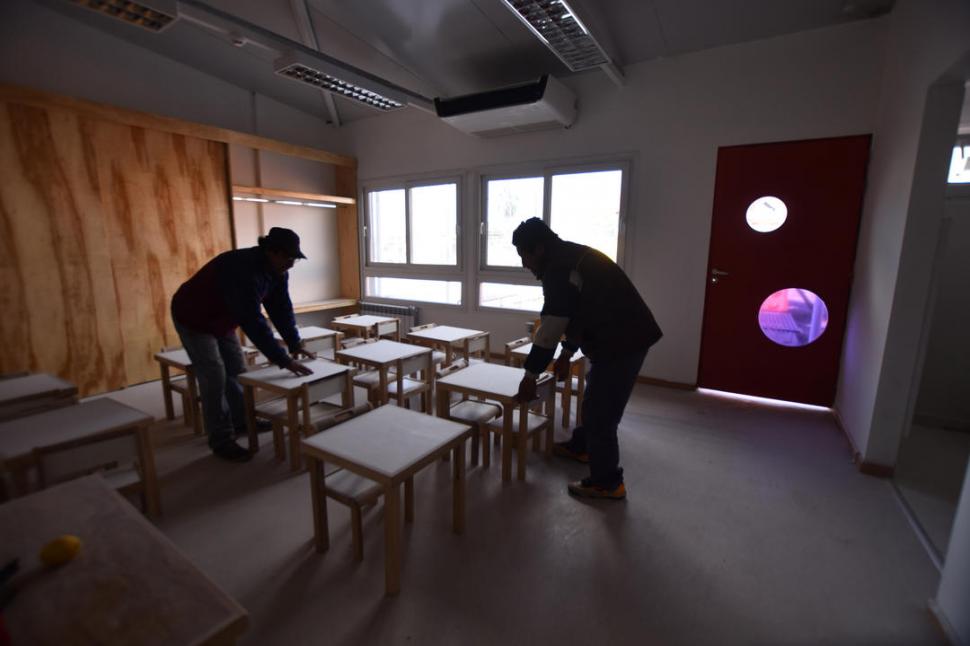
<point>580,391</point>
<point>392,539</point>
<point>167,392</point>
<point>567,398</point>
<point>507,442</point>
<point>294,423</point>
<point>409,500</point>
<point>382,385</point>
<point>318,500</point>
<point>458,489</point>
<point>249,400</point>
<point>146,459</point>
<point>522,441</point>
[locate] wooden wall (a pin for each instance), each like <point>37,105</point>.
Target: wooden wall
<point>100,222</point>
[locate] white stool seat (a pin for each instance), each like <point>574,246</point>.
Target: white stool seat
<point>368,379</point>
<point>352,486</point>
<point>410,386</point>
<point>535,421</point>
<point>475,412</point>
<point>437,357</point>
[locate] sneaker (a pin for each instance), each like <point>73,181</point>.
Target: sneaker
<point>232,452</point>
<point>562,450</point>
<point>587,489</point>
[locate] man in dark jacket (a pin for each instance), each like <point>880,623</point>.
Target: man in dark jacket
<point>226,293</point>
<point>591,304</point>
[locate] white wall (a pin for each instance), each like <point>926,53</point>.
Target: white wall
<point>903,206</point>
<point>944,393</point>
<point>669,120</point>
<point>952,601</point>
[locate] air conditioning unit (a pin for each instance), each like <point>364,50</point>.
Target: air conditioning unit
<point>538,105</point>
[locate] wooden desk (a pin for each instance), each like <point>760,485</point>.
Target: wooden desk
<point>499,383</point>
<point>388,445</point>
<point>308,335</point>
<point>380,355</point>
<point>28,394</point>
<point>362,325</point>
<point>284,383</point>
<point>128,584</point>
<point>82,423</point>
<point>577,368</point>
<point>444,337</point>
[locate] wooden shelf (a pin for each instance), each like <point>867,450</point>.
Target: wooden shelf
<point>258,191</point>
<point>329,304</point>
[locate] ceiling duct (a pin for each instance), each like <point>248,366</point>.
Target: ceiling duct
<point>538,105</point>
<point>153,15</point>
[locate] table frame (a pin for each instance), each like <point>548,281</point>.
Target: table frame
<point>577,368</point>
<point>383,396</point>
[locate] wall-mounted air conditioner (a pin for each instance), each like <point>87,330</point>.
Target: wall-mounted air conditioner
<point>537,105</point>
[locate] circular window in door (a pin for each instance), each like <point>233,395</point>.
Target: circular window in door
<point>766,214</point>
<point>793,317</point>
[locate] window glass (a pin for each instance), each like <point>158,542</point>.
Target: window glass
<point>434,220</point>
<point>793,317</point>
<point>387,235</point>
<point>585,208</point>
<point>509,202</point>
<point>413,289</point>
<point>509,296</point>
<point>960,165</point>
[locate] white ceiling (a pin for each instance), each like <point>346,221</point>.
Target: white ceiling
<point>439,48</point>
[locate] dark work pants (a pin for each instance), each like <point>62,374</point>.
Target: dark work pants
<point>608,387</point>
<point>217,362</point>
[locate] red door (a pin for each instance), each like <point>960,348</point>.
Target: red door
<point>775,308</point>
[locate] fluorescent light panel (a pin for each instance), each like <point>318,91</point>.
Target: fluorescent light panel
<point>342,82</point>
<point>261,200</point>
<point>153,15</point>
<point>555,24</point>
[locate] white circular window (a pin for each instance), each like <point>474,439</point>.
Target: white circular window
<point>793,317</point>
<point>766,214</point>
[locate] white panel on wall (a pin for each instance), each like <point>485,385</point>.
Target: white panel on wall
<point>318,277</point>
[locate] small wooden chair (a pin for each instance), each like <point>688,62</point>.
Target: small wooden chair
<point>388,329</point>
<point>513,345</point>
<point>541,417</point>
<point>475,412</point>
<point>315,413</point>
<point>413,376</point>
<point>114,456</point>
<point>475,349</point>
<point>325,346</point>
<point>187,387</point>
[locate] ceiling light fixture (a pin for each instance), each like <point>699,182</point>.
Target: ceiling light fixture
<point>320,205</point>
<point>153,15</point>
<point>346,82</point>
<point>556,25</point>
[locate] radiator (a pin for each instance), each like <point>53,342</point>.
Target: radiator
<point>407,313</point>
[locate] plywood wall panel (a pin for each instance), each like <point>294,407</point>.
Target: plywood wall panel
<point>102,222</point>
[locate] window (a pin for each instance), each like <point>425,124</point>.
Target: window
<point>960,163</point>
<point>413,289</point>
<point>581,205</point>
<point>415,225</point>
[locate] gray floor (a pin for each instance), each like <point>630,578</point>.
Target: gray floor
<point>744,524</point>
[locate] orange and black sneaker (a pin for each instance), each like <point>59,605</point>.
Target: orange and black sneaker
<point>587,489</point>
<point>562,450</point>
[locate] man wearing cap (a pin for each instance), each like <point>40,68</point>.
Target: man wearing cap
<point>591,304</point>
<point>227,293</point>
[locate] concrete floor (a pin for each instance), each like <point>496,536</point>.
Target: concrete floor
<point>745,524</point>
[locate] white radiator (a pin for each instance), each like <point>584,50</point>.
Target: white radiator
<point>407,313</point>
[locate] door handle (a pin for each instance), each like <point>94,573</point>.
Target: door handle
<point>716,274</point>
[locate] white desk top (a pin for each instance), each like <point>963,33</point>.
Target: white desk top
<point>525,349</point>
<point>309,333</point>
<point>177,357</point>
<point>489,379</point>
<point>18,437</point>
<point>387,440</point>
<point>446,333</point>
<point>383,351</point>
<point>128,585</point>
<point>365,320</point>
<point>283,379</point>
<point>30,386</point>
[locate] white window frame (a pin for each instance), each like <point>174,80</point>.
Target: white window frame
<point>407,269</point>
<point>519,275</point>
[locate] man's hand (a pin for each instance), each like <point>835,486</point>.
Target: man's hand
<point>527,389</point>
<point>303,352</point>
<point>298,369</point>
<point>562,365</point>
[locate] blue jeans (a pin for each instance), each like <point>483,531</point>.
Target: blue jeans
<point>608,388</point>
<point>217,362</point>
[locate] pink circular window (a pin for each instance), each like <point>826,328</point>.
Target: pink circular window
<point>793,317</point>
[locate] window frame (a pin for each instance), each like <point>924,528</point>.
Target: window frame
<point>407,269</point>
<point>486,273</point>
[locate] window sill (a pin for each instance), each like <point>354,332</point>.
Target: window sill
<point>329,304</point>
